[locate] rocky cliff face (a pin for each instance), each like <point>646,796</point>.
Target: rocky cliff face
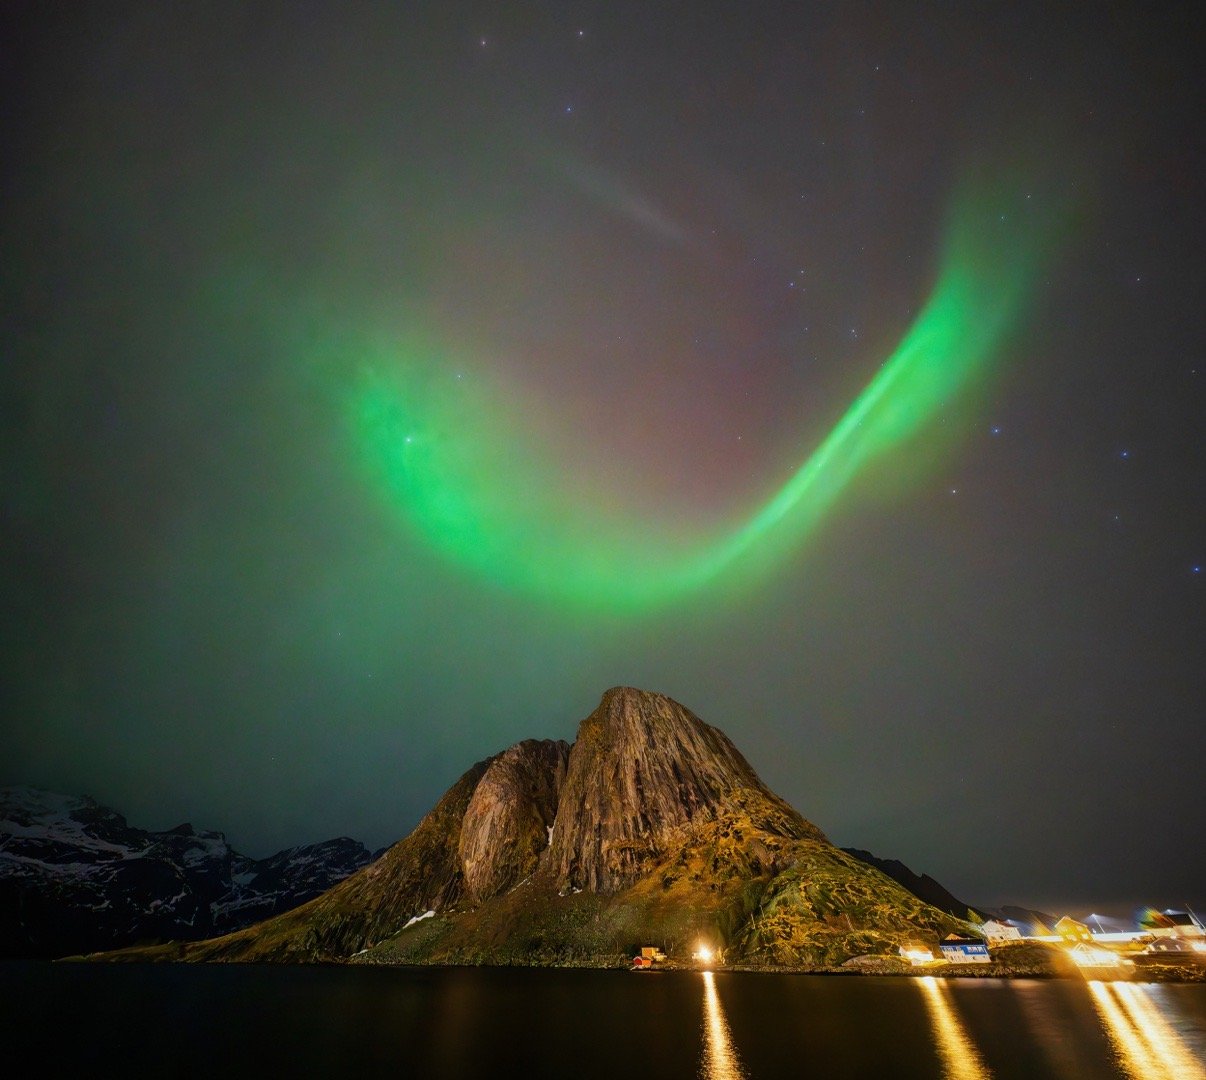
<point>651,828</point>
<point>509,820</point>
<point>643,768</point>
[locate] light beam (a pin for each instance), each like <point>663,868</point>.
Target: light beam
<point>720,1060</point>
<point>960,1058</point>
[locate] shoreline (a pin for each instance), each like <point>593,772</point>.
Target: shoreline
<point>1157,973</point>
<point>1184,974</point>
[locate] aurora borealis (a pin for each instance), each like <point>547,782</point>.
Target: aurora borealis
<point>518,526</point>
<point>381,384</point>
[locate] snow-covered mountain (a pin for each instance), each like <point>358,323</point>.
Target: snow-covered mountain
<point>76,877</point>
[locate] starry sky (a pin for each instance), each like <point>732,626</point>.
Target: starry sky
<point>382,383</point>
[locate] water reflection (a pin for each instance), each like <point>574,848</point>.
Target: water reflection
<point>1147,1046</point>
<point>960,1058</point>
<point>720,1060</point>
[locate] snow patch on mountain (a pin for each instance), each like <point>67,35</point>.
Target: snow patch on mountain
<point>76,877</point>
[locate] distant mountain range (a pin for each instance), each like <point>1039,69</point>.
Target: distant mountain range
<point>75,877</point>
<point>1029,919</point>
<point>935,893</point>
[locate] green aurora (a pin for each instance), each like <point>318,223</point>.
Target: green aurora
<point>444,452</point>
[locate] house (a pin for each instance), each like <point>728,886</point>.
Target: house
<point>1172,923</point>
<point>999,931</point>
<point>964,950</point>
<point>917,955</point>
<point>1175,945</point>
<point>1071,930</point>
<point>647,958</point>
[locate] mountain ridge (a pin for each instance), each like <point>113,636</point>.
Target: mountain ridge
<point>920,885</point>
<point>76,876</point>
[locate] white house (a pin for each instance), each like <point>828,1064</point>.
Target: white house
<point>998,931</point>
<point>961,950</point>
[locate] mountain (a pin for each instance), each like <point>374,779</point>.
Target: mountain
<point>922,886</point>
<point>651,829</point>
<point>1033,921</point>
<point>76,877</point>
<point>937,895</point>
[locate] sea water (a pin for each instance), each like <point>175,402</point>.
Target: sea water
<point>252,1020</point>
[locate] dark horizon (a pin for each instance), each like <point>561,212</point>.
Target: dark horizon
<point>381,386</point>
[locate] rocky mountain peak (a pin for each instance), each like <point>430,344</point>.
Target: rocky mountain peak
<point>642,768</point>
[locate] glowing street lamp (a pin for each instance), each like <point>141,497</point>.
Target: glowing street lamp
<point>1092,956</point>
<point>703,954</point>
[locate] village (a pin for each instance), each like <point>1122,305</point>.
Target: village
<point>1162,937</point>
<point>1168,935</point>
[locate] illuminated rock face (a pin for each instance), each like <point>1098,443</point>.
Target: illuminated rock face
<point>506,826</point>
<point>642,769</point>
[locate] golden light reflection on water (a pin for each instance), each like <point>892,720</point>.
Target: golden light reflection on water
<point>1147,1046</point>
<point>720,1060</point>
<point>960,1058</point>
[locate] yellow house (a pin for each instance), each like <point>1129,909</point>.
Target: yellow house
<point>1071,930</point>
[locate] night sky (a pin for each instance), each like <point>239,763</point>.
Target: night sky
<point>382,383</point>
